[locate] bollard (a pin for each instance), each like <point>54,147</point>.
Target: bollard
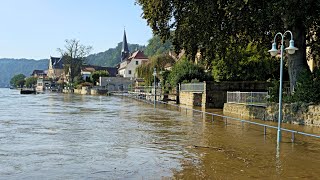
<point>212,118</point>
<point>292,137</point>
<point>226,122</point>
<point>264,130</point>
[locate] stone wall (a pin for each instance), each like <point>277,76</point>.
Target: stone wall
<point>215,94</point>
<point>190,98</point>
<point>295,113</point>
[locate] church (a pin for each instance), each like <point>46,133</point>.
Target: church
<point>130,61</point>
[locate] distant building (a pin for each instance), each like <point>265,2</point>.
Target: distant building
<point>125,53</point>
<point>39,74</point>
<point>129,62</point>
<point>87,70</point>
<point>128,66</point>
<point>56,69</point>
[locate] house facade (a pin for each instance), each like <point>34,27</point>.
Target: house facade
<point>56,69</point>
<point>128,66</point>
<point>129,61</point>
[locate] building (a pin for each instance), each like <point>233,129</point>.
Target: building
<point>39,74</point>
<point>87,70</point>
<point>129,62</point>
<point>56,69</point>
<point>128,67</point>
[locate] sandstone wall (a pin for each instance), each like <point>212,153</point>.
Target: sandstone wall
<point>295,113</point>
<point>190,98</point>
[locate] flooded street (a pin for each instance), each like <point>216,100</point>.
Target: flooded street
<point>63,136</point>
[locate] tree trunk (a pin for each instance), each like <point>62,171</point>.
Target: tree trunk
<point>297,62</point>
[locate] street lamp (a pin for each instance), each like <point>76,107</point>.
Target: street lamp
<point>273,51</point>
<point>154,81</point>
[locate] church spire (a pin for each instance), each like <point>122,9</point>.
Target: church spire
<point>125,50</point>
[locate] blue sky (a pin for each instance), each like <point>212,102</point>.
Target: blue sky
<point>36,28</point>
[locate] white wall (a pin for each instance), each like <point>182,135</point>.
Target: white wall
<point>131,67</point>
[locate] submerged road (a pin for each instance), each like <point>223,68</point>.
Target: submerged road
<point>65,136</point>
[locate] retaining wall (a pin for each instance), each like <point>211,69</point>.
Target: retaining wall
<point>295,113</point>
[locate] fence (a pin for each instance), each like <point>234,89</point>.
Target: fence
<point>252,98</point>
<point>192,87</point>
<point>226,118</point>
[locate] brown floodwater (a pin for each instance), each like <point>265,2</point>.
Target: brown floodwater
<point>63,136</point>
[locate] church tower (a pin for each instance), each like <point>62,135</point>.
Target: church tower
<point>125,50</point>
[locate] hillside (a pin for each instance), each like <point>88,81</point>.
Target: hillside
<point>110,57</point>
<point>11,67</point>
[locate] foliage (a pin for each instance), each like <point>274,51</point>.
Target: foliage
<point>11,67</point>
<point>210,26</point>
<point>31,81</point>
<point>95,75</point>
<point>110,57</point>
<point>185,70</point>
<point>246,63</point>
<point>159,62</point>
<point>73,55</point>
<point>157,47</point>
<point>18,80</point>
<point>306,91</point>
<point>308,87</point>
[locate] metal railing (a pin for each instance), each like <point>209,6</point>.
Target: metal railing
<point>192,87</point>
<point>226,118</point>
<point>251,98</point>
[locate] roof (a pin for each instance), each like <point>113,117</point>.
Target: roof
<point>38,72</point>
<point>125,49</point>
<point>138,55</point>
<point>56,62</point>
<point>91,68</point>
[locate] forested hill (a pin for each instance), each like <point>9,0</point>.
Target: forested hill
<point>110,57</point>
<point>11,67</point>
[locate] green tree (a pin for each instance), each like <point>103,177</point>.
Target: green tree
<point>18,80</point>
<point>159,62</point>
<point>210,26</point>
<point>185,70</point>
<point>246,63</point>
<point>74,55</point>
<point>31,81</point>
<point>157,47</point>
<point>95,75</point>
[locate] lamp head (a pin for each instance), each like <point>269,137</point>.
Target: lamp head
<point>273,51</point>
<point>291,49</point>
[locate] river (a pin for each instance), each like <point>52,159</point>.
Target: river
<point>66,136</point>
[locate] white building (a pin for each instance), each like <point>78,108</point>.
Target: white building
<point>128,66</point>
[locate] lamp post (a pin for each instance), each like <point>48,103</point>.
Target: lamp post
<point>273,51</point>
<point>154,81</point>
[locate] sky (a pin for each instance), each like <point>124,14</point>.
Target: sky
<point>34,29</point>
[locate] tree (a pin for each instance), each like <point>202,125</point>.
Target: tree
<point>250,61</point>
<point>157,47</point>
<point>18,80</point>
<point>159,62</point>
<point>210,26</point>
<point>31,81</point>
<point>185,70</point>
<point>97,74</point>
<point>73,55</point>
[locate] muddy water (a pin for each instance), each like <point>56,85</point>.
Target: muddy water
<point>56,136</point>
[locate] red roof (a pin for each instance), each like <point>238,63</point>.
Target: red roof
<point>138,55</point>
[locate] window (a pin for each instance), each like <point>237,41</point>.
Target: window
<point>137,62</point>
<point>129,71</point>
